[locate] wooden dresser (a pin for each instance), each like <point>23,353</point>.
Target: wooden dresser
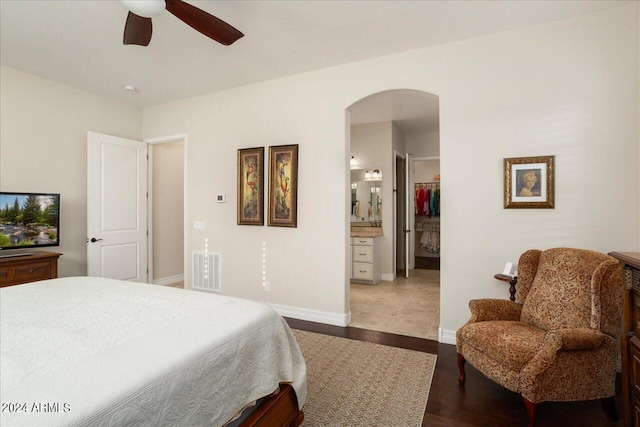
<point>28,268</point>
<point>630,339</point>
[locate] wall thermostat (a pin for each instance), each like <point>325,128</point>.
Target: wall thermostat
<point>221,198</point>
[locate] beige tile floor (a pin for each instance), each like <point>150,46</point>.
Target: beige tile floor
<point>405,306</point>
<point>177,285</point>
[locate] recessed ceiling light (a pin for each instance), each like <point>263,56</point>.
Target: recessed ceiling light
<point>130,88</point>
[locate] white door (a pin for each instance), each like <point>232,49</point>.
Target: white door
<point>116,208</point>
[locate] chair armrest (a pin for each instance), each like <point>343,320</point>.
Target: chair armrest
<point>494,309</point>
<point>579,338</point>
<point>555,341</point>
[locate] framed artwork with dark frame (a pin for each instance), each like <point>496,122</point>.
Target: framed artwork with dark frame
<point>250,186</point>
<point>529,182</point>
<point>283,186</point>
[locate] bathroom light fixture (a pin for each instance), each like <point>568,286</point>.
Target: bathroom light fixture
<point>376,174</point>
<point>352,161</point>
<point>367,175</point>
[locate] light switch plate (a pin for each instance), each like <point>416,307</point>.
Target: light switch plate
<point>199,225</point>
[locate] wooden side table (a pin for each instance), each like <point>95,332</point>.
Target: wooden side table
<point>512,284</point>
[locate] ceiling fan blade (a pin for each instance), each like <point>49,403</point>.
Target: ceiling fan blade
<point>207,24</point>
<point>137,30</point>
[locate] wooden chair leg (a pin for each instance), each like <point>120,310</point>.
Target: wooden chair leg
<point>609,406</point>
<point>532,410</point>
<point>461,362</point>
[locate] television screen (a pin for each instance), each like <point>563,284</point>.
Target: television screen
<point>29,220</point>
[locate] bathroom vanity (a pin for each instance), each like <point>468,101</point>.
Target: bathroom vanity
<point>365,254</point>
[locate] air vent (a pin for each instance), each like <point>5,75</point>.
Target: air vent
<point>206,271</point>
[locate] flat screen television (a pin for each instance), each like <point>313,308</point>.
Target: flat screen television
<point>29,220</point>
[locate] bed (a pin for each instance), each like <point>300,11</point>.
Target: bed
<point>90,351</point>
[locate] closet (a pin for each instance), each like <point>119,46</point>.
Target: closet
<point>427,215</point>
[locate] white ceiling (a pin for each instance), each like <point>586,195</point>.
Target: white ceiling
<point>79,42</point>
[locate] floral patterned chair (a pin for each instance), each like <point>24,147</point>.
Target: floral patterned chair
<point>559,340</point>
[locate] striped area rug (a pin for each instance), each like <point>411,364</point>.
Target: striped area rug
<point>355,383</point>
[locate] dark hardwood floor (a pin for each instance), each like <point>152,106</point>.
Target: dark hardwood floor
<point>480,402</point>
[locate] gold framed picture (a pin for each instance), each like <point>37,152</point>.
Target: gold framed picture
<point>250,186</point>
<point>283,186</point>
<point>529,182</point>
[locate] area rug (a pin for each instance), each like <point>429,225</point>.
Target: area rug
<point>356,383</point>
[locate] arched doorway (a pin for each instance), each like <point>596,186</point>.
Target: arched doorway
<point>386,130</point>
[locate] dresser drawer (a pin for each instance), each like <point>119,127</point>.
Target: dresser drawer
<point>636,412</point>
<point>362,271</point>
<point>363,241</point>
<point>636,313</point>
<point>363,254</point>
<point>28,268</point>
<point>33,272</point>
<point>635,367</point>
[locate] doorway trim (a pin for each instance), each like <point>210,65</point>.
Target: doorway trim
<point>151,142</point>
<point>396,220</point>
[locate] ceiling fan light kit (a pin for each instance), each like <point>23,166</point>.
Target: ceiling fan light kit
<point>138,28</point>
<point>145,8</point>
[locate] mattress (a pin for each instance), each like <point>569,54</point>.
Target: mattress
<point>90,351</point>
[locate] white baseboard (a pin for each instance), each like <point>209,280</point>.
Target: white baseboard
<point>446,336</point>
<point>169,280</point>
<point>313,315</point>
<point>387,277</point>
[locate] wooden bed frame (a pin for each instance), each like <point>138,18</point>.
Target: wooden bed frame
<point>279,410</point>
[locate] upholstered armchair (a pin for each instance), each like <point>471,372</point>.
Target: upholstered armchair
<point>559,340</point>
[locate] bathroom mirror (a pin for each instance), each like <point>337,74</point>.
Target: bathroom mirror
<point>366,197</point>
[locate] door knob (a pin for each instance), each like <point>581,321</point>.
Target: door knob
<point>93,240</point>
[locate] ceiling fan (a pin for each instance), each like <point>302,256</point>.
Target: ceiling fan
<point>138,28</point>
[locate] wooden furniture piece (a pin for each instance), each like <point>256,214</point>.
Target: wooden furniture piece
<point>280,410</point>
<point>512,284</point>
<point>630,339</point>
<point>28,268</point>
<point>365,258</point>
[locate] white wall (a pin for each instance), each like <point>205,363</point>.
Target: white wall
<point>425,170</point>
<point>372,146</point>
<point>168,212</point>
<point>43,140</point>
<point>567,89</point>
<point>425,144</point>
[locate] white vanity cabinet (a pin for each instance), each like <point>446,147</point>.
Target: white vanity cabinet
<point>365,259</point>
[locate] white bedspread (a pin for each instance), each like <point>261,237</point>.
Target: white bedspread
<point>90,351</point>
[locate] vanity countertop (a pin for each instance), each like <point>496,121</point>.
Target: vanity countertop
<point>366,231</point>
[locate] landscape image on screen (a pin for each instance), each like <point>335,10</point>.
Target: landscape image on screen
<point>28,220</point>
